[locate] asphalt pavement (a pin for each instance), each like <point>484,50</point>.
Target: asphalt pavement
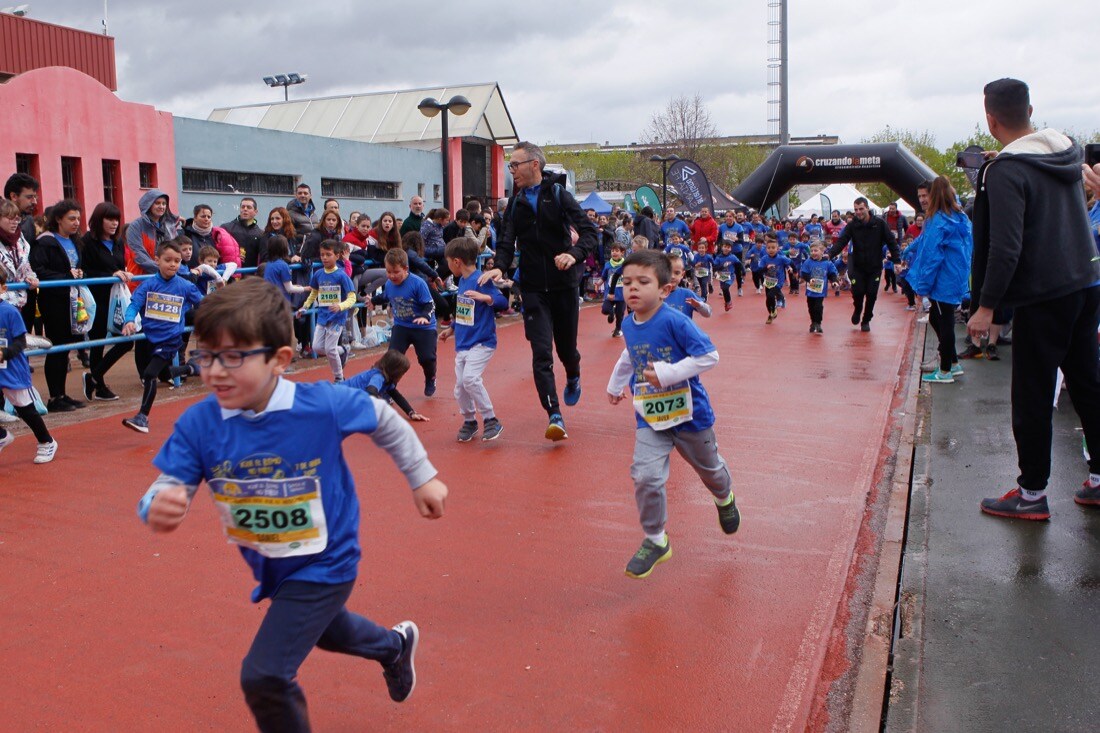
<point>995,617</point>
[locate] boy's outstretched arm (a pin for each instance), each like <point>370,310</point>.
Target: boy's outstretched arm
<point>396,437</point>
<point>166,502</point>
<point>620,378</point>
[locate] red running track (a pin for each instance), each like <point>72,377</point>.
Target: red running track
<point>527,619</point>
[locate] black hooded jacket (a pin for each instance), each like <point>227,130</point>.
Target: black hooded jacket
<point>867,240</point>
<point>543,235</point>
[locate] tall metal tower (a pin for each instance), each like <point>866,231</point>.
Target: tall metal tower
<point>778,109</point>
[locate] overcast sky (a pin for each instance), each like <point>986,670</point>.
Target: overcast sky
<point>596,71</point>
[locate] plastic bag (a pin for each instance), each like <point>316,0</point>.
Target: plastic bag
<point>119,302</point>
<point>81,310</point>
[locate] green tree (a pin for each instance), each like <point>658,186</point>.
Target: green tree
<point>978,137</point>
<point>921,144</point>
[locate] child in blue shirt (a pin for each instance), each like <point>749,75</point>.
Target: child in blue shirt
<point>614,307</point>
<point>332,290</point>
<point>732,232</point>
<point>680,296</point>
<point>676,244</point>
<point>907,253</point>
<point>702,268</point>
<point>15,378</point>
<point>842,281</point>
<point>276,269</point>
<point>162,302</point>
<point>889,276</point>
<point>752,259</point>
<point>726,266</point>
<point>659,370</point>
<point>475,332</point>
<point>289,504</point>
<point>413,312</point>
<point>817,272</point>
<point>773,267</point>
<point>381,381</point>
<point>797,256</point>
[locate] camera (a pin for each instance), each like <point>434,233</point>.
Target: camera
<point>971,160</point>
<point>1092,153</point>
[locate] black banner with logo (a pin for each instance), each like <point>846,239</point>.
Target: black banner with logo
<point>691,184</point>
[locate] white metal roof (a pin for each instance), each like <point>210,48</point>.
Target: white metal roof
<point>382,117</point>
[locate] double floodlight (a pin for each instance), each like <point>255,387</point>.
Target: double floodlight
<point>430,107</point>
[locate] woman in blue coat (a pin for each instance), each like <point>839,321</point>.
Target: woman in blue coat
<point>941,272</point>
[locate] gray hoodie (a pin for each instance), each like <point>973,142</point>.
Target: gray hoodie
<point>144,235</point>
<point>1032,240</point>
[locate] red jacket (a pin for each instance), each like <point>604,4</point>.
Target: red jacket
<point>705,228</point>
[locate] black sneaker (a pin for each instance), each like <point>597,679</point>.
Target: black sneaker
<point>647,556</point>
<point>90,385</point>
<point>429,388</point>
<point>103,393</point>
<point>1087,495</point>
<point>1013,505</point>
<point>972,352</point>
<point>729,517</point>
<point>856,316</point>
<point>991,353</point>
<point>616,333</point>
<point>467,432</point>
<point>75,403</point>
<point>865,327</point>
<point>492,429</point>
<point>58,404</point>
<point>400,674</point>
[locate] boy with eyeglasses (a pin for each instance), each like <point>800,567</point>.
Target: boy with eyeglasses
<point>162,301</point>
<point>290,505</point>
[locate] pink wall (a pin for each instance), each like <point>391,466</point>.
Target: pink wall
<point>57,111</point>
<point>497,171</point>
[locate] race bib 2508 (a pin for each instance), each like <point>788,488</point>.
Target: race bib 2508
<point>274,517</point>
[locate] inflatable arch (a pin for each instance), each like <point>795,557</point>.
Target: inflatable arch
<point>796,165</point>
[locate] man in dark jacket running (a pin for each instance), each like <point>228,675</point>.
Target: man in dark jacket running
<point>538,221</point>
<point>1034,251</point>
<point>867,234</point>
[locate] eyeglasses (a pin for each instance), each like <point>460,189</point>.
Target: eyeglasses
<point>229,358</point>
<point>517,163</point>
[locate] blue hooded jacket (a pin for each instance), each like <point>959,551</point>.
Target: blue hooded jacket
<point>941,266</point>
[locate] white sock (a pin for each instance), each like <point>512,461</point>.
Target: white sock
<point>1031,495</point>
<point>1094,480</point>
<point>658,539</point>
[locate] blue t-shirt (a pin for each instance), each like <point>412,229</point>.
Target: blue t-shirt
<point>613,294</point>
<point>70,250</point>
<point>823,270</point>
<point>411,299</point>
<point>332,288</point>
<point>685,252</point>
<point>888,264</point>
<point>483,330</point>
<point>277,272</point>
<point>670,336</point>
<point>676,225</point>
<point>725,266</point>
<point>702,266</point>
<point>283,444</point>
<point>841,265</point>
<point>370,378</point>
<point>732,233</point>
<point>754,255</point>
<point>162,305</point>
<point>678,300</point>
<point>775,267</point>
<point>14,374</point>
<point>815,231</point>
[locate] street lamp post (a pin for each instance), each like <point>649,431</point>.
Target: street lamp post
<point>671,158</point>
<point>430,107</point>
<point>285,81</point>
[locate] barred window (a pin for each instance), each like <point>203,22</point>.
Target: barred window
<point>147,175</point>
<point>344,188</point>
<point>260,184</point>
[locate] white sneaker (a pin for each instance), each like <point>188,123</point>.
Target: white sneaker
<point>7,440</point>
<point>6,418</point>
<point>46,452</point>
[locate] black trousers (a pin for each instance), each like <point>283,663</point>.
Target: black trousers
<point>941,318</point>
<point>101,363</point>
<point>1055,334</point>
<point>864,292</point>
<point>772,296</point>
<point>816,307</point>
<point>549,323</point>
<point>423,341</point>
<point>890,280</point>
<point>910,296</point>
<point>59,330</point>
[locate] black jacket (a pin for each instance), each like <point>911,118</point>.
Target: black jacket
<point>867,240</point>
<point>544,235</point>
<point>644,226</point>
<point>98,261</point>
<point>248,236</point>
<point>49,262</point>
<point>1032,240</point>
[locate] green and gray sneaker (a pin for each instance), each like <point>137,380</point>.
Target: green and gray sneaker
<point>729,517</point>
<point>647,556</point>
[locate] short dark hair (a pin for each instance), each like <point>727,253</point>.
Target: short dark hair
<point>652,259</point>
<point>206,252</point>
<point>861,200</point>
<point>303,185</point>
<point>397,258</point>
<point>925,185</point>
<point>17,183</point>
<point>251,311</point>
<point>58,211</point>
<point>647,211</point>
<point>329,244</point>
<point>1009,102</point>
<point>201,207</point>
<point>464,248</point>
<point>184,241</point>
<point>278,248</point>
<point>249,198</point>
<point>462,215</point>
<point>175,245</point>
<point>105,210</point>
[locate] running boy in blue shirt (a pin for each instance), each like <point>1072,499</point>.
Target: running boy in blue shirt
<point>475,332</point>
<point>162,302</point>
<point>752,259</point>
<point>680,296</point>
<point>290,504</point>
<point>702,267</point>
<point>774,268</point>
<point>818,272</point>
<point>665,354</point>
<point>613,305</point>
<point>332,290</point>
<point>726,265</point>
<point>413,315</point>
<point>676,244</point>
<point>15,378</point>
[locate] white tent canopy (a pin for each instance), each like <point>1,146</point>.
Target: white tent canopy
<point>905,209</point>
<point>842,196</point>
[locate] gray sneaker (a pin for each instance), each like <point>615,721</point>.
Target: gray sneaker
<point>467,432</point>
<point>647,557</point>
<point>492,429</point>
<point>400,674</point>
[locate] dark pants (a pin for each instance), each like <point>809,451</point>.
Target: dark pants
<point>549,322</point>
<point>153,359</point>
<point>726,292</point>
<point>864,292</point>
<point>816,307</point>
<point>302,616</point>
<point>941,318</point>
<point>29,309</point>
<point>423,341</point>
<point>910,295</point>
<point>101,363</point>
<point>772,296</point>
<point>1057,333</point>
<point>59,330</point>
<point>889,280</point>
<point>757,279</point>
